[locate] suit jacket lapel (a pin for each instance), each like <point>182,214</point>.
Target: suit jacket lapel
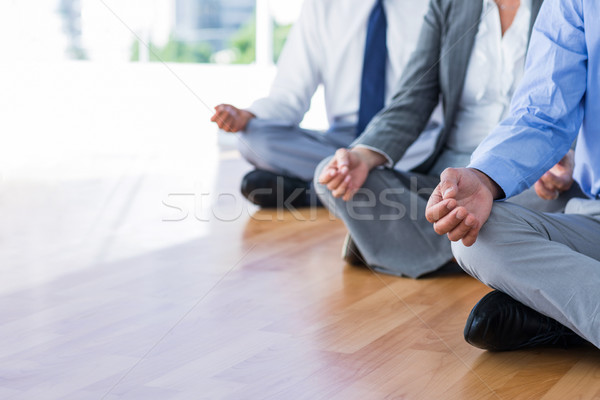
<point>463,23</point>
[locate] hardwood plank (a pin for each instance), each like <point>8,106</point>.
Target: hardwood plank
<point>257,306</point>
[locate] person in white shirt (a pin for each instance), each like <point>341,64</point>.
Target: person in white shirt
<point>472,53</point>
<point>326,46</point>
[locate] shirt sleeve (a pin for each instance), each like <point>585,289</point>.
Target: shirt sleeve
<point>547,109</point>
<point>298,71</point>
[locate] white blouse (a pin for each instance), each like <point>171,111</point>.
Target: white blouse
<point>495,69</point>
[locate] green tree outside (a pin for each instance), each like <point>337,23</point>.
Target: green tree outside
<point>175,51</point>
<point>243,44</point>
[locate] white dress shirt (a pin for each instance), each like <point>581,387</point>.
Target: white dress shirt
<point>495,69</point>
<point>326,46</point>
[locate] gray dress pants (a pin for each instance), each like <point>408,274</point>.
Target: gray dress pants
<point>550,262</point>
<point>289,150</point>
<point>386,218</point>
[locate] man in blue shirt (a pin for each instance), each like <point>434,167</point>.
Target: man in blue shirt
<point>545,267</point>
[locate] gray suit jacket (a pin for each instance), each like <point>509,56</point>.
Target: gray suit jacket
<point>437,66</point>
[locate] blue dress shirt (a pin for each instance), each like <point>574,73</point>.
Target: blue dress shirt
<point>559,91</point>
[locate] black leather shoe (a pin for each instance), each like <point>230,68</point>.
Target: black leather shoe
<point>500,323</point>
<point>269,190</point>
<point>351,254</point>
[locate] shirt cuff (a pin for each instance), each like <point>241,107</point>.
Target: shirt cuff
<point>257,110</point>
<point>502,172</point>
<point>389,163</point>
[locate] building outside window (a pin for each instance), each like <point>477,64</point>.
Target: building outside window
<point>207,31</point>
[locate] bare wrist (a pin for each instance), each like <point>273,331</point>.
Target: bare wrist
<point>246,116</point>
<point>493,187</point>
<point>371,158</point>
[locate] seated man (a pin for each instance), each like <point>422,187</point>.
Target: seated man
<point>475,71</point>
<point>545,267</point>
<point>357,49</point>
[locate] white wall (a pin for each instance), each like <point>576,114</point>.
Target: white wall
<point>54,111</point>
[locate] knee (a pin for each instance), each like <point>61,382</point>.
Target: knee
<point>485,259</point>
<point>469,259</point>
<point>319,170</point>
<point>245,142</point>
<point>323,193</point>
<point>244,146</point>
<point>251,143</point>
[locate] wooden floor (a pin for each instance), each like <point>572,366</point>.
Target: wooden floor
<point>132,269</point>
<point>250,307</point>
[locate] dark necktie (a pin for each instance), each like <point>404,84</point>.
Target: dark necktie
<point>372,86</point>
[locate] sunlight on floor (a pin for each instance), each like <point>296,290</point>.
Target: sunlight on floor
<point>105,161</point>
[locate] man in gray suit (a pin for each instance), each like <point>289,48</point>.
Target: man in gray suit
<point>457,58</point>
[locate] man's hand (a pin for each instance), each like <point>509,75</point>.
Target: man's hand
<point>461,203</point>
<point>558,179</point>
<point>348,170</point>
<point>230,118</point>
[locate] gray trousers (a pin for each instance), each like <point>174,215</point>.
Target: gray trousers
<point>550,262</point>
<point>386,218</point>
<point>287,149</point>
